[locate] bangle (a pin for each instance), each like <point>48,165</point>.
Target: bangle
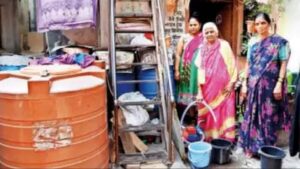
<point>280,79</point>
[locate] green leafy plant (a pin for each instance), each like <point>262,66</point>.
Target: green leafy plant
<point>252,7</point>
<point>244,49</point>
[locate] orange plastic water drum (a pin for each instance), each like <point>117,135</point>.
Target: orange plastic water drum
<point>54,121</point>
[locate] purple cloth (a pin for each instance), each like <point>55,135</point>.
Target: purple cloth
<point>80,59</point>
<point>65,14</point>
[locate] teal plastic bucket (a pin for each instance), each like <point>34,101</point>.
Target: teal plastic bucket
<point>199,154</point>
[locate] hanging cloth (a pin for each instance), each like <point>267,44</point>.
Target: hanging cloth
<point>65,14</point>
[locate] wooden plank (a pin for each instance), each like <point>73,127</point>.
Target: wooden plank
<point>138,143</point>
<point>134,31</point>
<point>130,140</point>
<point>10,26</point>
<point>176,133</point>
<point>155,102</point>
<point>134,16</point>
<point>125,137</point>
<point>112,152</point>
<point>160,156</point>
<point>225,27</point>
<point>154,165</point>
<point>104,23</point>
<point>237,25</point>
<point>133,166</point>
<point>146,127</point>
<point>134,47</point>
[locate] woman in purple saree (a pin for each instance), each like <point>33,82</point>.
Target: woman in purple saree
<point>266,89</point>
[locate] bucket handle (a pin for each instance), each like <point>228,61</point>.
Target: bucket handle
<point>188,107</point>
<point>193,103</point>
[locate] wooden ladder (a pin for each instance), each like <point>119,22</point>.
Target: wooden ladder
<point>163,101</point>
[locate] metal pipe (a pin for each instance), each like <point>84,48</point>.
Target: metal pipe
<point>112,71</point>
<point>165,53</point>
<point>167,74</point>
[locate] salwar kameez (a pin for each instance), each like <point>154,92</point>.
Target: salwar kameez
<point>187,85</point>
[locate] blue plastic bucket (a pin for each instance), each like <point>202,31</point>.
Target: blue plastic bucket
<point>126,87</point>
<point>199,154</point>
<point>271,157</point>
<point>149,90</point>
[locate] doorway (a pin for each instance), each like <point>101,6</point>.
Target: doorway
<point>211,11</point>
<point>227,14</point>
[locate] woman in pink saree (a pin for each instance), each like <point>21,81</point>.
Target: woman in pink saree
<point>217,74</point>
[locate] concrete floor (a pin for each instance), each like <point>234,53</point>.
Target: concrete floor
<point>238,160</point>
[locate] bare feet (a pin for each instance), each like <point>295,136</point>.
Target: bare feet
<point>248,154</point>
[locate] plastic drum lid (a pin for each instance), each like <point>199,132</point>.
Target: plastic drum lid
<point>75,84</point>
<point>15,60</point>
<point>14,85</point>
<point>51,69</point>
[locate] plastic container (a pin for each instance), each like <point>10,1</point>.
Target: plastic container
<point>199,154</point>
<point>10,68</point>
<point>54,121</point>
<point>149,90</point>
<point>13,63</point>
<point>271,157</point>
<point>221,151</point>
<point>126,87</point>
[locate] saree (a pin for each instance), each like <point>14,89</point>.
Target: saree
<point>187,87</point>
<point>65,15</point>
<point>264,115</point>
<point>220,69</point>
